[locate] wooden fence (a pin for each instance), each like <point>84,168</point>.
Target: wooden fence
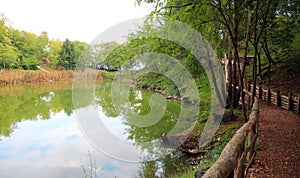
<point>290,102</point>
<point>239,153</point>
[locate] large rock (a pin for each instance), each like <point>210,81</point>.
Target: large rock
<point>221,115</point>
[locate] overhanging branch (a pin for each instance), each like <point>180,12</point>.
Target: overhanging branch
<point>179,6</point>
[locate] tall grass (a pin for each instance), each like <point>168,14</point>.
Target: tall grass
<point>23,76</point>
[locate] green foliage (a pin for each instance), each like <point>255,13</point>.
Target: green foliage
<point>8,53</point>
<point>84,55</point>
<point>222,137</point>
<point>283,27</point>
<point>104,49</point>
<point>42,44</point>
<point>20,49</point>
<point>8,57</point>
<point>67,55</point>
<point>274,25</point>
<point>53,51</point>
<point>30,48</point>
<point>32,103</point>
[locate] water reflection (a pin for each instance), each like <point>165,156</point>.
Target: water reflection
<point>32,103</point>
<point>39,135</point>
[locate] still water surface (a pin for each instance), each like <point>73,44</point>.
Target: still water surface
<point>40,135</point>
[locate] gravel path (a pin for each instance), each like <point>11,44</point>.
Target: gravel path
<point>278,143</point>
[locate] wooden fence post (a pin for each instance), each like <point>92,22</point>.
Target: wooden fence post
<point>278,98</point>
<point>249,96</point>
<point>251,135</point>
<point>260,92</point>
<point>298,104</point>
<point>269,96</point>
<point>290,103</point>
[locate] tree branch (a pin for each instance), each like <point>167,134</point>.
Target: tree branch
<point>264,20</point>
<point>180,6</point>
<point>212,20</point>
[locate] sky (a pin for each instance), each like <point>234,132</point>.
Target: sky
<point>81,20</point>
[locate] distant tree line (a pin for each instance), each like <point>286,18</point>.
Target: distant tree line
<point>20,49</point>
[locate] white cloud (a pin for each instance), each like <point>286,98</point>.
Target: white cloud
<point>42,149</point>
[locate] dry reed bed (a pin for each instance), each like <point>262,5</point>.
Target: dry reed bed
<point>20,77</point>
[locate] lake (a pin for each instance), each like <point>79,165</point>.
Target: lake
<point>66,130</point>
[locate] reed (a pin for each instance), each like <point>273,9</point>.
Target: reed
<point>12,77</point>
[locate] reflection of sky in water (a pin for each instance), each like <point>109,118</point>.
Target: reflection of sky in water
<point>114,125</point>
<point>55,148</point>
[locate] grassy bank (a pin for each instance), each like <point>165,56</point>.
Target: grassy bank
<point>32,76</point>
<point>225,132</point>
<point>216,146</point>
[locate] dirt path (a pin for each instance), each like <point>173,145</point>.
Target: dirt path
<point>279,144</point>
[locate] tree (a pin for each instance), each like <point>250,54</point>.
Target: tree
<point>27,48</point>
<point>264,29</point>
<point>22,49</point>
<point>8,57</point>
<point>83,54</point>
<point>104,49</point>
<point>67,55</point>
<point>54,49</point>
<point>8,53</point>
<point>43,44</point>
<point>79,47</point>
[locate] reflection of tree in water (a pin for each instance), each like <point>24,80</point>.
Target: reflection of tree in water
<point>103,98</point>
<point>160,165</point>
<point>146,138</point>
<point>138,100</point>
<point>149,169</point>
<point>33,104</point>
<point>167,166</point>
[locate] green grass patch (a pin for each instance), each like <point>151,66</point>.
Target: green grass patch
<point>222,137</point>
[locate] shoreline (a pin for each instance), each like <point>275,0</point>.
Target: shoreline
<point>184,100</point>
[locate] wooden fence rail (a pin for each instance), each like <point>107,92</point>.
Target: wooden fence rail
<point>239,150</point>
<point>290,102</point>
